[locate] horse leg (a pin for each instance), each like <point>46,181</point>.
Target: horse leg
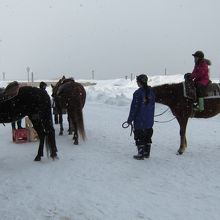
<point>40,131</point>
<point>70,130</point>
<point>41,147</point>
<point>50,140</point>
<point>183,142</point>
<point>61,124</point>
<point>56,121</point>
<point>75,135</point>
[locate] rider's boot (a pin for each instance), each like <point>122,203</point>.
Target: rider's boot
<point>200,106</point>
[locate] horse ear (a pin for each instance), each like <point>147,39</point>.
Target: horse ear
<point>52,86</point>
<point>63,77</point>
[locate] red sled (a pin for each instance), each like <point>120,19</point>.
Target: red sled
<point>20,135</point>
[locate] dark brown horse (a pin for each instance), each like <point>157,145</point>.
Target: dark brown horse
<point>34,103</point>
<point>70,95</point>
<point>172,95</point>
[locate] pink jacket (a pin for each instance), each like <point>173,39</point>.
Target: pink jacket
<point>200,73</point>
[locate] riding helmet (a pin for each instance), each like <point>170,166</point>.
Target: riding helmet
<point>199,54</point>
<point>142,79</point>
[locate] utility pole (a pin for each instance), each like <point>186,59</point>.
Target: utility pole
<point>32,78</point>
<point>131,76</point>
<point>3,76</point>
<point>28,71</point>
<point>165,72</point>
<point>93,74</point>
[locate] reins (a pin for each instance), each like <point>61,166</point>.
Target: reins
<point>162,114</point>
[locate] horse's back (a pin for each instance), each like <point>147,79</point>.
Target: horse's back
<point>82,93</point>
<point>34,97</point>
<point>73,90</point>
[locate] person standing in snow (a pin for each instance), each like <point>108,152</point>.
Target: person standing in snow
<point>43,85</point>
<point>141,115</point>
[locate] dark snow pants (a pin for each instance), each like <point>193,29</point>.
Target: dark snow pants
<point>143,136</point>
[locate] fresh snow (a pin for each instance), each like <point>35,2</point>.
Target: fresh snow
<point>99,179</point>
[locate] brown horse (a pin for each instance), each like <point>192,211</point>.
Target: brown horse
<point>70,95</point>
<point>172,95</point>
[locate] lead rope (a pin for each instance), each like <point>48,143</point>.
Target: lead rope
<point>126,125</point>
<point>162,114</point>
<point>165,121</point>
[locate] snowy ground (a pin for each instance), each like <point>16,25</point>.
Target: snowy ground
<point>99,179</point>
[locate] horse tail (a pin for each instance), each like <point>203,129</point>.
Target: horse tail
<point>80,123</point>
<point>51,143</point>
<point>50,140</point>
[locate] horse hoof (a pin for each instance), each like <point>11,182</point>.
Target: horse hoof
<point>37,158</point>
<point>75,142</point>
<point>55,158</point>
<point>179,153</point>
<point>61,133</point>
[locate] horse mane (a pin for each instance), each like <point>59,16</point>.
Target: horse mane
<point>168,93</point>
<point>168,87</point>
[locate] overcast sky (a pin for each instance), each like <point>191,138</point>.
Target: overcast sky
<point>112,37</point>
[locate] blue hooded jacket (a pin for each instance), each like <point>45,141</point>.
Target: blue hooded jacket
<point>142,109</point>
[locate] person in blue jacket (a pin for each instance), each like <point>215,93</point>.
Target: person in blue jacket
<point>142,117</point>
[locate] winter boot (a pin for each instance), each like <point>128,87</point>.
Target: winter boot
<point>200,105</point>
<point>147,148</point>
<point>140,155</point>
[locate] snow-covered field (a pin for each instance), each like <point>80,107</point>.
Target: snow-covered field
<point>99,179</point>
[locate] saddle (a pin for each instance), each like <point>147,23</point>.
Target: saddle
<point>212,90</point>
<point>9,92</point>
